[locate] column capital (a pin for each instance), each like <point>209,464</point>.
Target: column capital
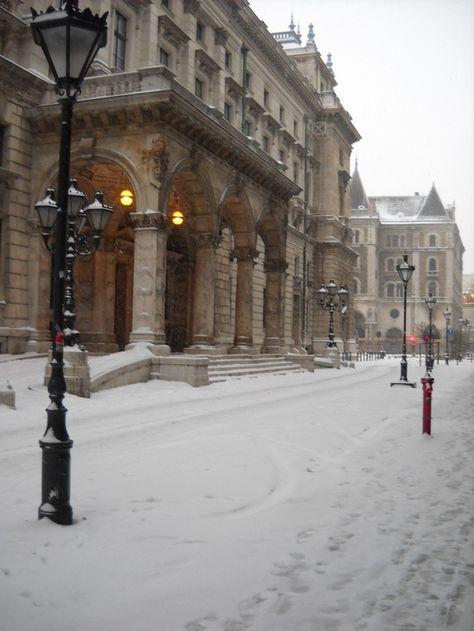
<point>148,220</point>
<point>243,254</point>
<point>276,265</point>
<point>206,240</point>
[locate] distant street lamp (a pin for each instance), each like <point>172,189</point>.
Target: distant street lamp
<point>447,316</point>
<point>332,299</point>
<point>405,271</point>
<point>70,39</point>
<point>429,358</point>
<point>464,323</point>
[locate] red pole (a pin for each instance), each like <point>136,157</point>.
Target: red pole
<point>427,383</point>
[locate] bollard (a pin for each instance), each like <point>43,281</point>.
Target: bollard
<point>427,384</point>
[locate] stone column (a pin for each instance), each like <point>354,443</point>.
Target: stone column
<point>149,280</point>
<point>274,305</point>
<point>38,293</point>
<point>243,338</point>
<point>202,339</point>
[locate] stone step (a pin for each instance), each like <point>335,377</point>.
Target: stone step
<point>225,367</point>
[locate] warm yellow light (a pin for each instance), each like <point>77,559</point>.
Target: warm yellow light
<point>126,198</point>
<point>177,217</point>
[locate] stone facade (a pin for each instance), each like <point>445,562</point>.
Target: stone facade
<point>192,106</point>
<point>383,229</point>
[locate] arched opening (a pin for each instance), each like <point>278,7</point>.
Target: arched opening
<point>104,281</point>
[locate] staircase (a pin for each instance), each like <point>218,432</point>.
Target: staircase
<point>223,367</point>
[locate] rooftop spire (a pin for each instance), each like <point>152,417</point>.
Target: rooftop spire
<point>310,35</point>
<point>329,65</point>
<point>292,22</point>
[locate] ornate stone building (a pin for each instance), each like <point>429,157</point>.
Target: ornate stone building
<point>191,106</point>
<point>383,229</point>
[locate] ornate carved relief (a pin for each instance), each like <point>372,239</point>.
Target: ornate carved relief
<point>148,220</point>
<point>207,240</point>
<point>276,265</point>
<point>156,159</point>
<point>244,254</point>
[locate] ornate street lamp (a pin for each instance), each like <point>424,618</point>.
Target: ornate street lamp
<point>447,316</point>
<point>70,39</point>
<point>405,271</point>
<point>85,225</point>
<point>429,358</point>
<point>332,299</point>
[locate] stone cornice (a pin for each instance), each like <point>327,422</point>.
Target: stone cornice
<point>15,79</point>
<point>182,111</point>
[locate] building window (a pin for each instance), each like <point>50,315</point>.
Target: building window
<point>266,144</point>
<point>266,98</point>
<point>282,114</point>
<point>228,60</point>
<point>247,128</point>
<point>402,241</point>
<point>166,4</point>
<point>164,57</point>
<point>296,172</point>
<point>295,129</point>
<point>432,241</point>
<point>390,265</point>
<point>3,133</point>
<point>399,290</point>
<point>433,289</point>
<point>200,31</point>
<point>120,41</point>
<point>281,156</point>
<point>432,266</point>
<point>356,236</point>
<point>247,80</point>
<point>199,88</point>
<point>389,290</point>
<point>228,112</point>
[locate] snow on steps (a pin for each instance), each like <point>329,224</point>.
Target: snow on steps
<point>222,367</point>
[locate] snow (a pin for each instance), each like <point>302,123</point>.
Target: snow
<point>298,502</point>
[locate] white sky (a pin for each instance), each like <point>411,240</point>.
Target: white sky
<point>405,73</point>
<point>271,503</point>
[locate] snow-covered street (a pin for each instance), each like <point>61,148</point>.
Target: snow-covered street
<point>299,502</point>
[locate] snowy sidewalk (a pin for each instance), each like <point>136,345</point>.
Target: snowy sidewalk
<point>305,502</point>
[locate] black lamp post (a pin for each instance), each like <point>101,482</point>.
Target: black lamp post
<point>429,358</point>
<point>405,270</point>
<point>332,299</point>
<point>447,317</point>
<point>70,39</point>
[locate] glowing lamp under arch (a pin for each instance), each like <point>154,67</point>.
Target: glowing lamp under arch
<point>177,218</point>
<point>126,197</point>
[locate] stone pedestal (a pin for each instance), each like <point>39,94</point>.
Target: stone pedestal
<point>76,372</point>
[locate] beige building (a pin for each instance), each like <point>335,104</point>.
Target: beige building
<point>191,106</point>
<point>384,228</point>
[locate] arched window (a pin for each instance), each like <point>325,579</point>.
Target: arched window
<point>389,290</point>
<point>432,266</point>
<point>399,290</point>
<point>389,265</point>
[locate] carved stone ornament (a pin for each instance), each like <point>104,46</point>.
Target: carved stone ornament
<point>156,159</point>
<point>276,265</point>
<point>344,179</point>
<point>148,220</point>
<point>207,240</point>
<point>244,254</point>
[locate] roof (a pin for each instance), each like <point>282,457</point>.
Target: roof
<point>417,208</point>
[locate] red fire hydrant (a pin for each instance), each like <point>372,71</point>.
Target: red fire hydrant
<point>427,383</point>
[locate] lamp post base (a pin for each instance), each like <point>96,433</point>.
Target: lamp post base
<point>412,384</point>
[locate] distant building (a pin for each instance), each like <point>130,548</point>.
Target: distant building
<point>383,229</point>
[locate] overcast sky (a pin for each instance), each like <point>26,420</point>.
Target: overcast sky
<point>405,73</point>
